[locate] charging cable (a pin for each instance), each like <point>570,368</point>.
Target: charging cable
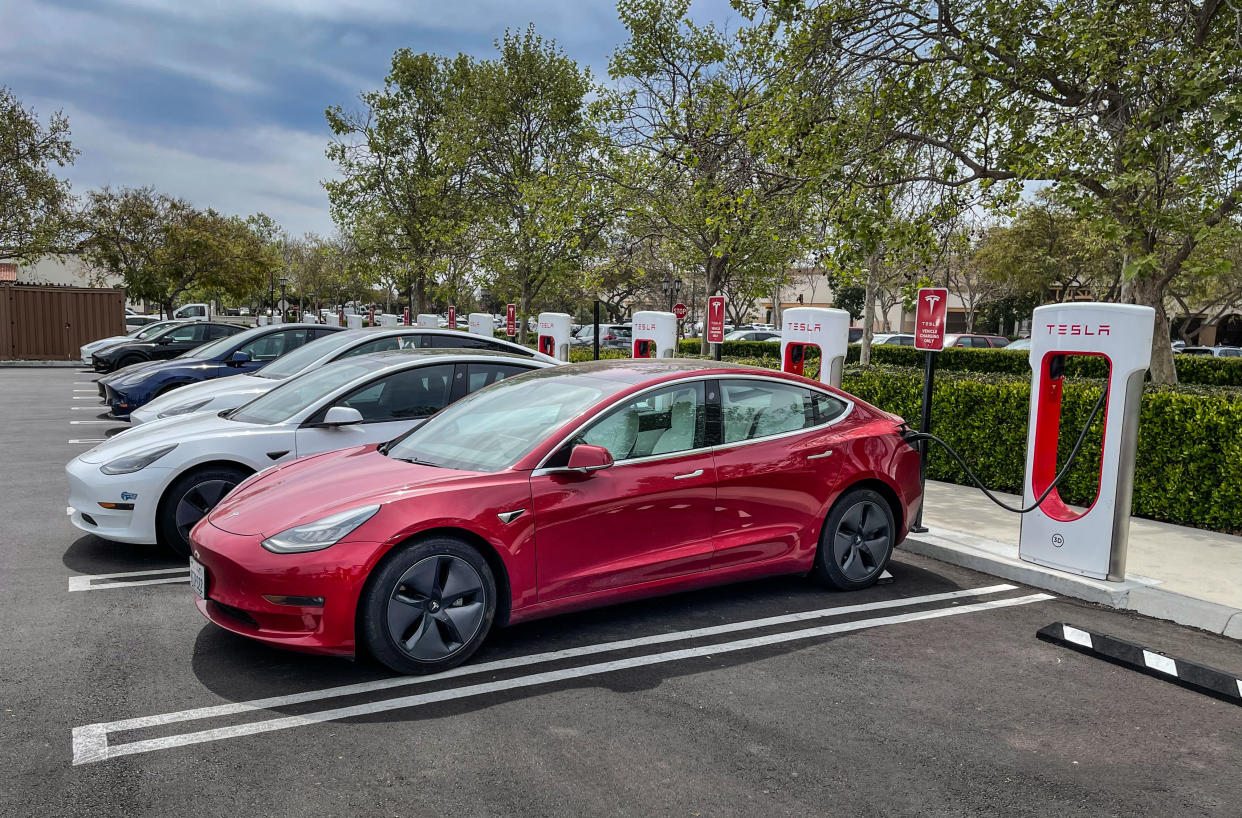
<point>1082,436</point>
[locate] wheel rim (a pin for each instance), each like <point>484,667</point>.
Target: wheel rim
<point>197,501</point>
<point>862,539</point>
<point>436,607</point>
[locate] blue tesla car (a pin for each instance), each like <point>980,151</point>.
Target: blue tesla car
<point>126,390</point>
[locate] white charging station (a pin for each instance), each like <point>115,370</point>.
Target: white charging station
<point>353,321</point>
<point>654,334</point>
<point>554,328</point>
<point>821,328</point>
<point>387,320</point>
<point>1090,543</point>
<point>481,323</point>
<point>427,320</point>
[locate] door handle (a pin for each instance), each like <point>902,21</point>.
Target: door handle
<point>818,456</point>
<point>694,473</point>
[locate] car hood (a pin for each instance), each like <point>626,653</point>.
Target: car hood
<point>164,432</point>
<point>315,487</point>
<point>125,371</point>
<point>244,387</point>
<point>180,366</point>
<point>95,346</point>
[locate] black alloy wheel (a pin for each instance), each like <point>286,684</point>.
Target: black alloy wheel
<point>189,499</point>
<point>857,541</point>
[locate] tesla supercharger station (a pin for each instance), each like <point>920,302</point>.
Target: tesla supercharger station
<point>654,334</point>
<point>388,320</point>
<point>554,330</point>
<point>481,323</point>
<point>1091,543</point>
<point>822,328</point>
<point>426,319</point>
<point>309,318</point>
<point>353,321</point>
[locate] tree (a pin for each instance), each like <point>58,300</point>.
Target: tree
<point>1129,112</point>
<point>163,248</point>
<point>36,207</point>
<point>534,146</point>
<point>405,159</point>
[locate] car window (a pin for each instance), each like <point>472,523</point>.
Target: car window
<point>274,344</point>
<point>665,421</point>
<point>413,393</point>
<point>463,340</point>
<point>479,375</point>
<point>1229,353</point>
<point>753,409</point>
<point>388,343</point>
<point>190,332</point>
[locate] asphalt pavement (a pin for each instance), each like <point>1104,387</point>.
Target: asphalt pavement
<point>927,695</point>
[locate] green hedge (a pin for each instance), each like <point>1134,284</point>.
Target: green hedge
<point>1191,369</point>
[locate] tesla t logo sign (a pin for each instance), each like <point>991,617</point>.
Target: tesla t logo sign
<point>511,319</point>
<point>452,317</point>
<point>929,316</point>
<point>1078,329</point>
<point>715,319</point>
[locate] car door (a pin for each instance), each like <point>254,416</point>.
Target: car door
<point>648,517</point>
<point>180,340</point>
<point>774,469</point>
<point>389,404</point>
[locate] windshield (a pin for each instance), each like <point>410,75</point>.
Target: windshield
<point>286,366</point>
<point>296,394</point>
<point>494,428</point>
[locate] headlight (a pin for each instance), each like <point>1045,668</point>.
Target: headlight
<point>135,462</point>
<point>320,534</point>
<point>184,409</point>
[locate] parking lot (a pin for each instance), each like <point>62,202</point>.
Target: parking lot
<point>925,695</point>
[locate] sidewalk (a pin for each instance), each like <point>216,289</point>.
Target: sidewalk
<point>1188,575</point>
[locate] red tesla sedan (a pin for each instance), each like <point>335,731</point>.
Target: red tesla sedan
<point>565,488</point>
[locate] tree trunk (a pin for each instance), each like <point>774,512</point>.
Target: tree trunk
<point>864,356</point>
<point>522,307</point>
<point>715,280</point>
<point>1150,292</point>
<point>420,294</point>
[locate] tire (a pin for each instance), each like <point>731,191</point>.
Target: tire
<point>188,500</point>
<point>407,620</point>
<point>857,541</point>
<point>128,360</point>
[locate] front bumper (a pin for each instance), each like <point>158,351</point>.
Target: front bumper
<point>240,572</point>
<point>88,487</point>
<point>120,404</point>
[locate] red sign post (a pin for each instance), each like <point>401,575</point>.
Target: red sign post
<point>371,317</point>
<point>929,318</point>
<point>511,320</point>
<point>452,316</point>
<point>407,316</point>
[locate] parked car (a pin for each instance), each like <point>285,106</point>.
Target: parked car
<point>975,341</point>
<point>154,482</point>
<point>752,335</point>
<point>241,352</point>
<point>893,339</point>
<point>140,333</point>
<point>168,343</point>
<point>139,321</point>
<point>856,334</point>
<point>425,542</point>
<point>611,336</point>
<point>231,392</point>
<point>1219,352</point>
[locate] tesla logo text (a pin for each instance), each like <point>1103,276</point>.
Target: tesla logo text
<point>1078,329</point>
<point>644,327</point>
<point>544,325</point>
<point>803,326</point>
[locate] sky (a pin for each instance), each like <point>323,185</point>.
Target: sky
<point>221,101</point>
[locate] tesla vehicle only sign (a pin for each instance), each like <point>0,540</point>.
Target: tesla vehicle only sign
<point>715,319</point>
<point>511,319</point>
<point>929,317</point>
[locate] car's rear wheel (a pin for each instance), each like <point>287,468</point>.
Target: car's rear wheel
<point>129,360</point>
<point>856,542</point>
<point>429,606</point>
<point>189,499</point>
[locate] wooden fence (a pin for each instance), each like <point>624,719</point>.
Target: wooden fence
<point>47,323</point>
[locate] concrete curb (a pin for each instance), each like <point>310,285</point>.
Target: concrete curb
<point>23,364</point>
<point>1138,594</point>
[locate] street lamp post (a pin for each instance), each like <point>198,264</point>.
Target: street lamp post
<point>671,287</point>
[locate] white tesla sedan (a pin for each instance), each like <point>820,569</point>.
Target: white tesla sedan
<point>153,483</point>
<point>228,393</point>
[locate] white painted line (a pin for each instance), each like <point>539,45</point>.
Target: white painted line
<point>1076,636</point>
<point>92,397</point>
<point>88,440</point>
<point>83,422</point>
<point>98,408</point>
<point>126,579</point>
<point>92,391</point>
<point>1161,663</point>
<point>1240,687</point>
<point>90,742</point>
<point>109,586</point>
<point>538,658</point>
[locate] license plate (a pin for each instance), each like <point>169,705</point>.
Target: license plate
<point>198,578</point>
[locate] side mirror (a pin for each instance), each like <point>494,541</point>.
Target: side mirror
<point>584,459</point>
<point>342,416</point>
<point>239,358</point>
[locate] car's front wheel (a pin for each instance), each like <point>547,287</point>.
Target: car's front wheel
<point>189,499</point>
<point>856,542</point>
<point>429,606</point>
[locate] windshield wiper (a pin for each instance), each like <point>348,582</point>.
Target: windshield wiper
<point>418,462</point>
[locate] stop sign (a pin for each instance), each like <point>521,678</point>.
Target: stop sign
<point>680,311</point>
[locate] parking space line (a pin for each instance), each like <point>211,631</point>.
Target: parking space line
<point>92,391</point>
<point>90,742</point>
<point>88,440</point>
<point>87,408</point>
<point>83,582</point>
<point>83,422</point>
<point>92,397</point>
